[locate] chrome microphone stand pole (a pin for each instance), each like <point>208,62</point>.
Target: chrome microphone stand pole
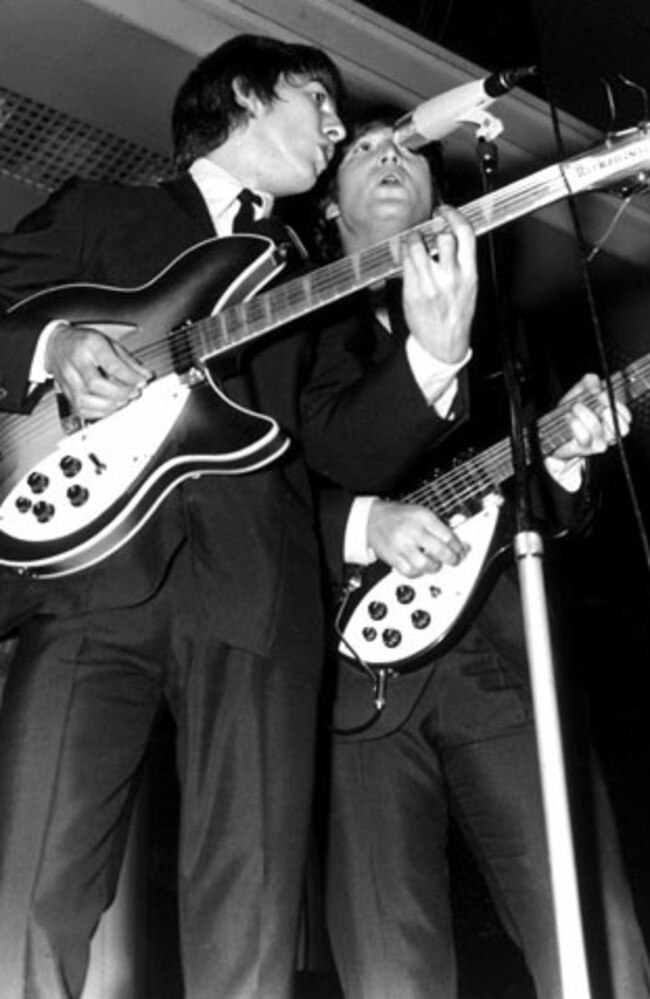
<point>529,551</point>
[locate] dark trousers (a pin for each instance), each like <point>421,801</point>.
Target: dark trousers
<point>468,748</point>
<point>78,711</point>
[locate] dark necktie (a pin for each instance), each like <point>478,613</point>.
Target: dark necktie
<point>245,216</point>
<point>389,297</point>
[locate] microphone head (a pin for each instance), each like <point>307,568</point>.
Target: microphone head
<point>500,83</point>
<point>437,117</point>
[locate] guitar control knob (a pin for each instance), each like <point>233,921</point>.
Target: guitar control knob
<point>391,637</point>
<point>377,610</point>
<point>435,591</point>
<point>77,495</point>
<point>70,466</point>
<point>369,634</point>
<point>420,619</point>
<point>43,511</point>
<point>37,482</point>
<point>405,594</point>
<point>23,504</point>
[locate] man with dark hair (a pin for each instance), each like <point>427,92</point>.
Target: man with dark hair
<point>213,602</point>
<point>457,737</point>
<point>208,108</point>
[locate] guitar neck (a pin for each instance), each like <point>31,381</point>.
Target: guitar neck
<point>518,199</point>
<point>467,483</point>
<point>624,155</point>
<point>301,296</point>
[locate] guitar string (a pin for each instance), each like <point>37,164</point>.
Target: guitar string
<point>327,280</point>
<point>291,299</point>
<point>457,487</point>
<point>450,491</point>
<point>488,469</point>
<point>19,429</point>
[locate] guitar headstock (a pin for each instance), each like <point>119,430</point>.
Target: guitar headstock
<point>621,165</point>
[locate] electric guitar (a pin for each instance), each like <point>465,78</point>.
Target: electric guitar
<point>388,622</point>
<point>72,494</point>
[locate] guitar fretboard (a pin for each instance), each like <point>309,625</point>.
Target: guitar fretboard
<point>624,157</point>
<point>453,492</point>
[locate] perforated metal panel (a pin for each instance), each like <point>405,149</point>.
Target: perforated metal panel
<point>43,147</point>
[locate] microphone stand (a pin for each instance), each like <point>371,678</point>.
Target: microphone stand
<point>528,548</point>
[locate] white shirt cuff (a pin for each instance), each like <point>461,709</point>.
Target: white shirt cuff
<point>355,542</point>
<point>436,379</point>
<point>37,372</point>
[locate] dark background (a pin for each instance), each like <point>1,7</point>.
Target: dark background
<point>598,585</point>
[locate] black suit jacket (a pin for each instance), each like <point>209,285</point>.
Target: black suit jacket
<point>239,527</point>
<point>497,611</point>
<point>244,529</point>
<point>394,447</point>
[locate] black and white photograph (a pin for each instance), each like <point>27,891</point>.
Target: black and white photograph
<point>324,499</point>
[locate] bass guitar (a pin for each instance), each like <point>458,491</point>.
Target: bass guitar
<point>72,494</point>
<point>388,622</point>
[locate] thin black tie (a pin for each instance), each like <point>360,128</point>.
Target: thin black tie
<point>245,217</point>
<point>389,297</point>
<point>395,310</point>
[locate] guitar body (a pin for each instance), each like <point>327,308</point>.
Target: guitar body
<point>392,622</point>
<point>205,279</point>
<point>404,677</point>
<point>51,527</point>
<point>69,499</point>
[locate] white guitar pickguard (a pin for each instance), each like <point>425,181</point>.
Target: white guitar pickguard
<point>93,468</point>
<point>399,618</point>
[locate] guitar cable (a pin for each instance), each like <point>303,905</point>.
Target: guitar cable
<point>378,678</point>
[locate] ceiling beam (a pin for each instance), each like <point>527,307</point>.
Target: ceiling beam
<point>117,64</point>
<point>382,60</point>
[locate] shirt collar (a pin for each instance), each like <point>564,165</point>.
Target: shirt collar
<point>220,189</point>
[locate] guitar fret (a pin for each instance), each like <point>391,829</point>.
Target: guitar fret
<point>506,205</point>
<point>233,324</point>
<point>300,295</point>
<point>289,300</point>
<point>256,314</point>
<point>211,334</point>
<point>324,282</point>
<point>636,378</point>
<point>380,261</point>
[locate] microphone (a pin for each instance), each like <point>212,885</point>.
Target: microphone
<point>440,115</point>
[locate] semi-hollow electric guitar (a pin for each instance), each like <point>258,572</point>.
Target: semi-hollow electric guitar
<point>72,494</point>
<point>390,622</point>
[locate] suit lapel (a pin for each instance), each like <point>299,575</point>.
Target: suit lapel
<point>186,194</point>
